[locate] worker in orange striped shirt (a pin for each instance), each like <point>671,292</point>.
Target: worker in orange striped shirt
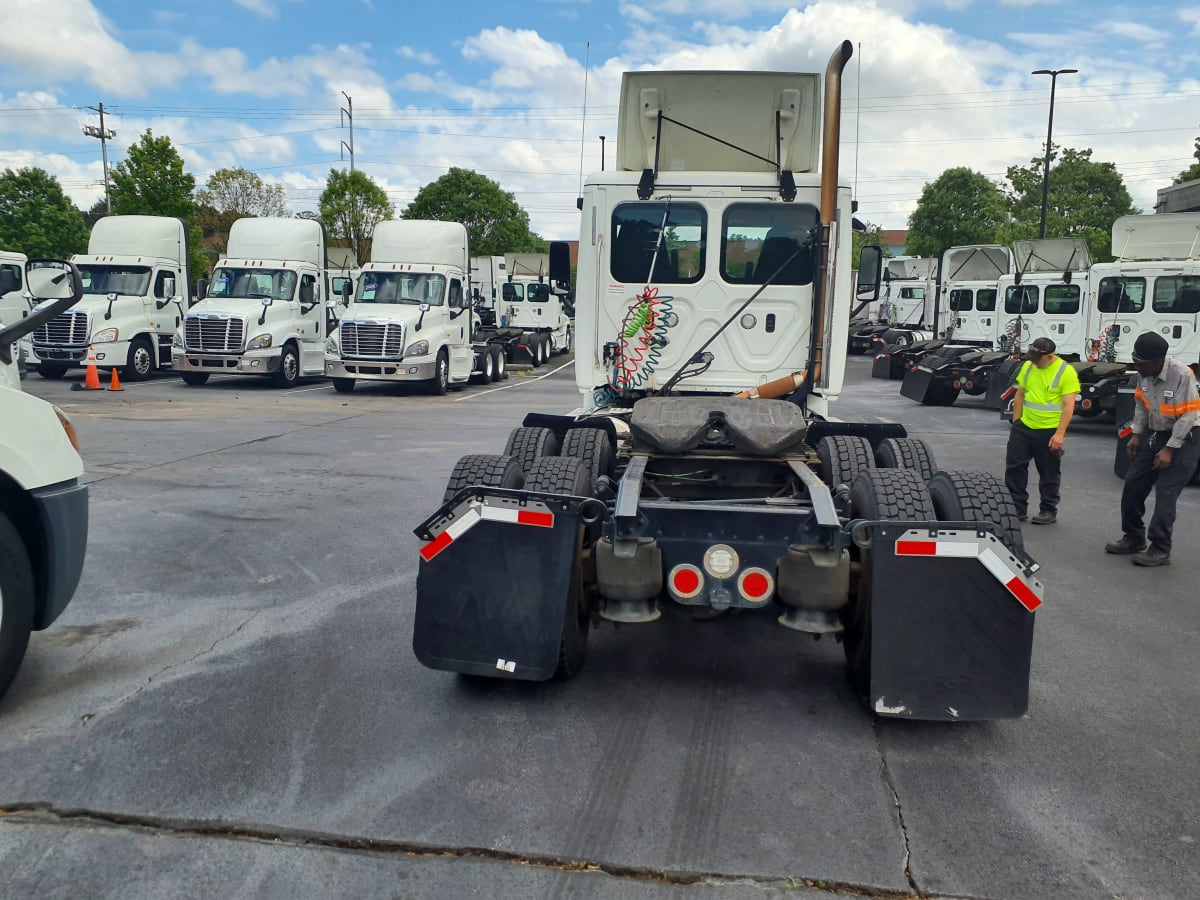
<point>1164,450</point>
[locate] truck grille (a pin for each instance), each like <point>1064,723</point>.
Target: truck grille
<point>214,333</point>
<point>372,340</point>
<point>67,330</point>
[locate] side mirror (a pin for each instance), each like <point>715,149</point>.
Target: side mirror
<point>168,288</point>
<point>345,292</point>
<point>267,300</point>
<point>59,283</point>
<point>560,264</point>
<point>424,307</point>
<point>870,265</point>
<point>1067,277</point>
<point>201,288</point>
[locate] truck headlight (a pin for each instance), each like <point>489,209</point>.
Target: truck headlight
<point>107,336</point>
<point>260,342</point>
<point>177,340</point>
<point>331,346</point>
<point>420,348</point>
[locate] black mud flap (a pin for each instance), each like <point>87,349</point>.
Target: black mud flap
<point>494,582</point>
<point>916,384</point>
<point>952,614</point>
<point>882,366</point>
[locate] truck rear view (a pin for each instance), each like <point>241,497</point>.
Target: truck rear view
<point>700,476</point>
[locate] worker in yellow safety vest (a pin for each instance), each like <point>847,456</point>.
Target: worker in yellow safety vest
<point>1047,386</point>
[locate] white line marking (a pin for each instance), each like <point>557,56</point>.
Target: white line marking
<point>521,383</point>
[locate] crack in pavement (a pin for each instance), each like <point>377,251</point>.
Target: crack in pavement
<point>44,814</point>
<point>891,786</point>
<point>121,701</point>
<point>202,453</point>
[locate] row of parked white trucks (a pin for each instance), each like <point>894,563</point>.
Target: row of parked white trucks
<point>988,304</point>
<point>276,307</point>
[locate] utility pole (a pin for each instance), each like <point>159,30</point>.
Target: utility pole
<point>1053,73</point>
<point>348,116</point>
<point>601,153</point>
<point>105,135</point>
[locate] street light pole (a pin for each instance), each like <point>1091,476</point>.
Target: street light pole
<point>1053,73</point>
<point>601,153</point>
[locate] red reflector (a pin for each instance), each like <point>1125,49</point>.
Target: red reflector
<point>755,584</point>
<point>686,581</point>
<point>540,519</point>
<point>916,548</point>
<point>1021,591</point>
<point>436,546</point>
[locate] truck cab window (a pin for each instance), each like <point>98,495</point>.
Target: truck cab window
<point>1121,295</point>
<point>636,229</point>
<point>17,274</point>
<point>960,301</point>
<point>1061,299</point>
<point>1020,299</point>
<point>985,300</point>
<point>512,293</point>
<point>758,238</point>
<point>1178,294</point>
<point>455,294</point>
<point>539,293</point>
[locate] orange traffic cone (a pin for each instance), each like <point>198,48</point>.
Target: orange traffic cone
<point>116,382</point>
<point>91,380</point>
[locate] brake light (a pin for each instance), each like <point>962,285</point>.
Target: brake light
<point>686,581</point>
<point>756,585</point>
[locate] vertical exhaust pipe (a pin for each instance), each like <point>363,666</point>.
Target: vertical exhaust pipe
<point>830,146</point>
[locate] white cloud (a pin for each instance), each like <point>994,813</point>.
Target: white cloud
<point>1135,31</point>
<point>264,8</point>
<point>424,57</point>
<point>81,44</point>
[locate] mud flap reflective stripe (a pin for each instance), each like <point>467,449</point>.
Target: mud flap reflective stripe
<point>948,642</point>
<point>970,547</point>
<point>494,583</point>
<point>475,511</point>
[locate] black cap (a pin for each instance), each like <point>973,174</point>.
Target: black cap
<point>1149,347</point>
<point>1041,346</point>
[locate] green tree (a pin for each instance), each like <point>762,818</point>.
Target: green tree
<point>1084,200</point>
<point>859,239</point>
<point>241,193</point>
<point>961,206</point>
<point>495,222</point>
<point>36,218</point>
<point>95,212</point>
<point>351,206</point>
<point>1192,172</point>
<point>151,181</point>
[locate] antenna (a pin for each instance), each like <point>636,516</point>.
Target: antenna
<point>587,63</point>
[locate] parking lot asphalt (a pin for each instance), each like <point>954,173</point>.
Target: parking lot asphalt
<point>231,707</point>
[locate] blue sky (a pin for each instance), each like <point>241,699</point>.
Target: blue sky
<point>499,86</point>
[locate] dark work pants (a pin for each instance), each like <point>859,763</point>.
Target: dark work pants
<point>1141,478</point>
<point>1025,444</point>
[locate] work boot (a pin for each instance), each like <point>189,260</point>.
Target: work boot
<point>1126,546</point>
<point>1022,516</point>
<point>1045,518</point>
<point>1154,556</point>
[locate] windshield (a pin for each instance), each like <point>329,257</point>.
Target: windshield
<point>132,281</point>
<point>401,287</point>
<point>253,284</point>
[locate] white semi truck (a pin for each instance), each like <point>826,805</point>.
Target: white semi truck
<point>412,318</point>
<point>264,312</point>
<point>43,504</point>
<point>531,301</point>
<point>702,471</point>
<point>135,283</point>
